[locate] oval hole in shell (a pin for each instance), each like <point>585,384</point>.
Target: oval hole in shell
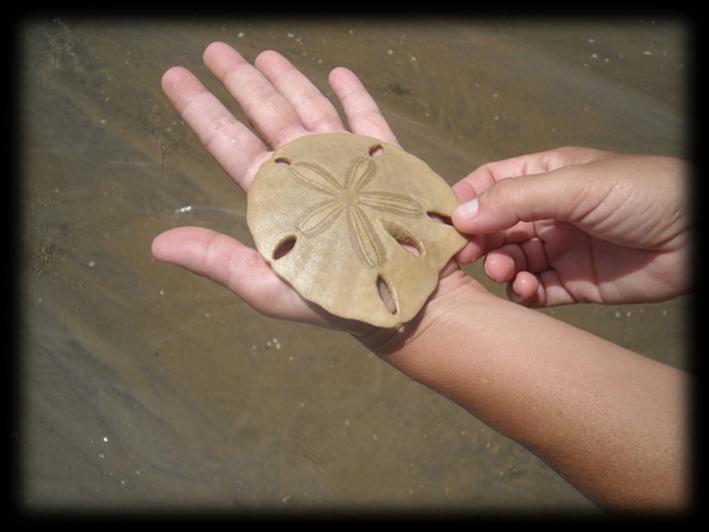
<point>405,238</point>
<point>387,296</point>
<point>440,218</point>
<point>284,247</point>
<point>376,150</point>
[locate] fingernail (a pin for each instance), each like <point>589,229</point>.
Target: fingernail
<point>468,209</point>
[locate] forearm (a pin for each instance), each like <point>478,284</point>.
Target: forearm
<point>609,420</point>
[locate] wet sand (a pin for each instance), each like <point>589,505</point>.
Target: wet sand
<point>143,386</point>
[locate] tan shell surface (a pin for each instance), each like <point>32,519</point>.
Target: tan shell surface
<point>349,202</point>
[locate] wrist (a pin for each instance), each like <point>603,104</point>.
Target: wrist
<point>454,291</point>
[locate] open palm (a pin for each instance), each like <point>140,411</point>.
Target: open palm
<point>283,105</point>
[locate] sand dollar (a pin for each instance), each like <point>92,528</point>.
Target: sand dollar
<point>346,218</point>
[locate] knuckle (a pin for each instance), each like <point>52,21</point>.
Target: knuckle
<point>364,117</point>
<point>504,191</point>
<point>221,127</point>
<point>213,255</point>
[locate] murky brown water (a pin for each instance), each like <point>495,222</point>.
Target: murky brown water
<point>145,386</point>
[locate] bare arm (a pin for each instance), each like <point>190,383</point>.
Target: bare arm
<point>610,421</point>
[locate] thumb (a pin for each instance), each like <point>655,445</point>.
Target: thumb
<point>527,198</point>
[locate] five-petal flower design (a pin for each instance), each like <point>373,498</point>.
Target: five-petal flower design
<point>351,200</point>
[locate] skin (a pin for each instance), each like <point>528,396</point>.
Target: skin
<point>580,225</point>
<point>609,420</point>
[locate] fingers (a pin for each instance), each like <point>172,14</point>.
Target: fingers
<point>316,112</point>
<point>234,265</point>
<point>472,251</point>
<point>534,290</point>
<point>231,143</point>
<point>502,264</point>
<point>363,114</point>
<point>279,101</point>
<point>479,245</point>
<point>531,281</point>
<point>526,290</point>
<point>504,261</point>
<point>541,185</point>
<point>283,105</point>
<point>269,111</point>
<point>483,177</point>
<point>555,195</point>
<point>476,183</point>
<point>544,289</point>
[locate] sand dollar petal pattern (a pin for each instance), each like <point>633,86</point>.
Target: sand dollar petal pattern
<point>355,214</point>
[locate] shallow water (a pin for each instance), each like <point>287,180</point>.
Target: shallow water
<point>144,386</point>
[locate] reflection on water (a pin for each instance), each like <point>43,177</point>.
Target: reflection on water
<point>146,386</point>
